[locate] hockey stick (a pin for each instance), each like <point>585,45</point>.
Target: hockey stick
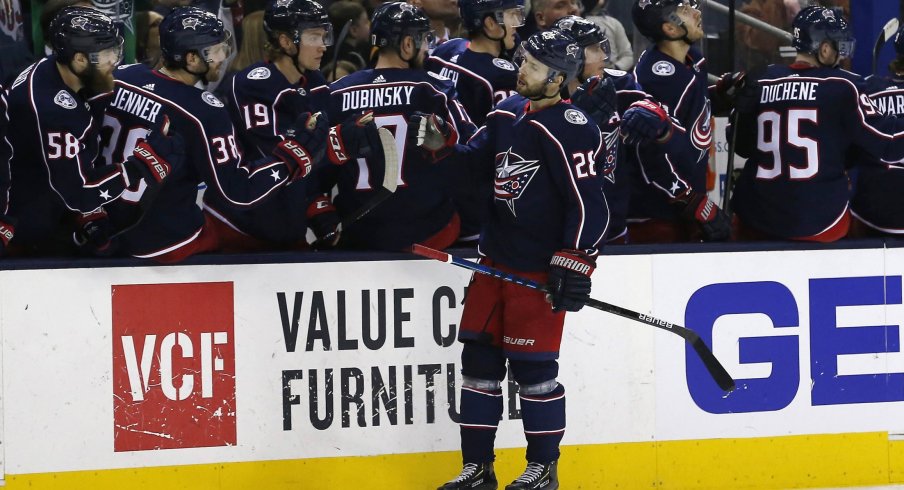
<point>390,182</point>
<point>729,172</point>
<point>342,35</point>
<point>715,368</point>
<point>889,30</point>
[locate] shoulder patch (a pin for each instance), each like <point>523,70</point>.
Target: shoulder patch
<point>211,99</point>
<point>64,100</point>
<point>259,73</point>
<point>575,116</point>
<point>663,68</point>
<point>615,73</point>
<point>504,64</point>
<point>438,76</point>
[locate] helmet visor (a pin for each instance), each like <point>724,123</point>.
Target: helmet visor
<point>595,54</point>
<point>317,36</point>
<point>218,53</point>
<point>846,47</point>
<point>111,56</point>
<point>531,68</point>
<point>513,17</point>
<point>426,37</point>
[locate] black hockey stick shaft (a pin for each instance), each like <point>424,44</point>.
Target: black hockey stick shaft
<point>715,368</point>
<point>729,169</point>
<point>888,30</point>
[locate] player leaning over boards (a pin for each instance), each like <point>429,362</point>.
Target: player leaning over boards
<point>668,201</point>
<point>194,45</point>
<point>545,221</point>
<point>57,186</point>
<point>265,99</point>
<point>800,124</point>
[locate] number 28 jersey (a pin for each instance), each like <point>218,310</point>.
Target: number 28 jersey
<point>794,182</point>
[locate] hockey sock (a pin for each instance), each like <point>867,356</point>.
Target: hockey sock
<point>544,424</point>
<point>481,411</point>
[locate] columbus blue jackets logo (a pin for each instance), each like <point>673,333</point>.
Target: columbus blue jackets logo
<point>211,99</point>
<point>64,100</point>
<point>663,68</point>
<point>702,134</point>
<point>644,3</point>
<point>80,22</point>
<point>500,63</point>
<point>191,23</point>
<point>513,174</point>
<point>575,117</point>
<point>572,50</point>
<point>260,73</point>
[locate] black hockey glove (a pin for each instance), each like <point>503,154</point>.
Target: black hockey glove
<point>357,137</point>
<point>323,220</point>
<point>304,144</point>
<point>714,223</point>
<point>431,132</point>
<point>569,280</point>
<point>597,98</point>
<point>725,91</point>
<point>7,230</point>
<point>644,121</point>
<point>92,233</point>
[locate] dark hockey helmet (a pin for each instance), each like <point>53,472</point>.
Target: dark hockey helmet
<point>814,25</point>
<point>294,16</point>
<point>82,30</point>
<point>586,32</point>
<point>899,41</point>
<point>393,21</point>
<point>187,29</point>
<point>474,11</point>
<point>560,52</point>
<point>649,15</point>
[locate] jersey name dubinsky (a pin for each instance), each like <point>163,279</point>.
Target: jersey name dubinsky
<point>376,97</point>
<point>137,104</point>
<point>789,91</point>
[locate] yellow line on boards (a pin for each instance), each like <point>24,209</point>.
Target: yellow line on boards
<point>810,461</point>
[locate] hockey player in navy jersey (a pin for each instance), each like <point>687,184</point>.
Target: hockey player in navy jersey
<point>804,120</point>
<point>546,221</point>
<point>265,99</point>
<point>7,225</point>
<point>481,77</point>
<point>58,187</point>
<point>421,209</point>
<point>878,200</point>
<point>668,200</point>
<point>194,45</point>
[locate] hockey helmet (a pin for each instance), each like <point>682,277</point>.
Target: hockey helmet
<point>474,11</point>
<point>393,21</point>
<point>649,15</point>
<point>556,49</point>
<point>586,32</point>
<point>191,29</point>
<point>814,25</point>
<point>84,30</point>
<point>294,16</point>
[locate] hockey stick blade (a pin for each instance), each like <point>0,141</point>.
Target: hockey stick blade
<point>887,32</point>
<point>713,366</point>
<point>390,183</point>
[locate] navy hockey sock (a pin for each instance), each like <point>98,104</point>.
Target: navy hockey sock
<point>544,424</point>
<point>481,411</point>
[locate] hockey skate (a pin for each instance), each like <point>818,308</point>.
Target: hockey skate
<point>536,476</point>
<point>473,477</point>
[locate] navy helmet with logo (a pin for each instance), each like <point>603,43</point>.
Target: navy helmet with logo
<point>292,17</point>
<point>191,29</point>
<point>474,11</point>
<point>814,25</point>
<point>649,15</point>
<point>556,49</point>
<point>82,30</point>
<point>393,21</point>
<point>586,32</point>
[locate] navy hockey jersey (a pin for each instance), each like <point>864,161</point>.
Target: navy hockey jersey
<point>6,152</point>
<point>55,142</point>
<point>548,193</point>
<point>262,105</point>
<point>481,80</point>
<point>683,90</point>
<point>877,199</point>
<point>421,205</point>
<point>141,101</point>
<point>794,182</point>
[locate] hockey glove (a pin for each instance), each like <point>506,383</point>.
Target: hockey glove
<point>714,223</point>
<point>726,90</point>
<point>303,145</point>
<point>569,280</point>
<point>323,220</point>
<point>153,159</point>
<point>357,137</point>
<point>644,121</point>
<point>92,233</point>
<point>431,132</point>
<point>7,230</point>
<point>597,98</point>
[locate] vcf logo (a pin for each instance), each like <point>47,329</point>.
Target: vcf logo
<point>173,366</point>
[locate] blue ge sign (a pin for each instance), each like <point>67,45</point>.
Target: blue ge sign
<point>782,352</point>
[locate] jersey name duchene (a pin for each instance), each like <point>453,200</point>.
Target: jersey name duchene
<point>788,91</point>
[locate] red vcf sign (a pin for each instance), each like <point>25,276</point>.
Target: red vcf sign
<point>173,366</point>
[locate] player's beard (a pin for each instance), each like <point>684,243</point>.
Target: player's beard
<point>95,81</point>
<point>535,91</point>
